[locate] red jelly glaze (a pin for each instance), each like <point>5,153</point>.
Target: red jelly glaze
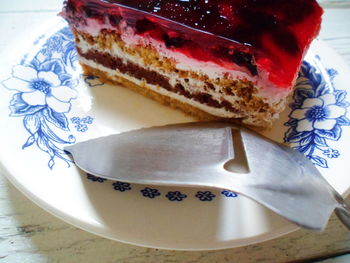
<point>261,35</point>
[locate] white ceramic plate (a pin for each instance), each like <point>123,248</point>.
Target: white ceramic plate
<point>47,104</point>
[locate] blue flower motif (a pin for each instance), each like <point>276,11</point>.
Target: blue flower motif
<point>175,196</point>
<point>149,192</point>
<point>81,128</point>
<point>87,120</point>
<point>228,193</point>
<point>44,90</point>
<point>75,120</point>
<point>95,178</point>
<point>205,196</point>
<point>318,113</point>
<point>331,153</point>
<point>40,88</point>
<point>121,187</point>
<point>81,124</point>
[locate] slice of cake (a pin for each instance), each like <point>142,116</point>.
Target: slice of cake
<point>233,60</point>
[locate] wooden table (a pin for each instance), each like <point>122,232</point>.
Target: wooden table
<point>29,234</point>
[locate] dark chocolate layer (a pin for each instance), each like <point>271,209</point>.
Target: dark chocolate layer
<point>153,77</point>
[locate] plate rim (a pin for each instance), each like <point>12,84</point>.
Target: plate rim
<point>70,220</point>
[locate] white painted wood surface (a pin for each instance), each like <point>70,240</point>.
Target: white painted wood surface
<point>29,234</point>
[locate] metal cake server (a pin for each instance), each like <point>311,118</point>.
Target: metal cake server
<point>217,155</point>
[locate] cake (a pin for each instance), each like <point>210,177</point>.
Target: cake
<point>232,60</point>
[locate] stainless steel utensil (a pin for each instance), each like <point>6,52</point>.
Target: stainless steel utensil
<point>217,155</point>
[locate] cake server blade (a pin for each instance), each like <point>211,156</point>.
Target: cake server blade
<point>217,155</point>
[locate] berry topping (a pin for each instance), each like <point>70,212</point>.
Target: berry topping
<point>173,41</point>
<point>144,25</point>
<point>244,59</point>
<point>260,35</point>
<point>244,21</point>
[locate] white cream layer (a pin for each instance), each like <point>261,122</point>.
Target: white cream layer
<point>266,89</point>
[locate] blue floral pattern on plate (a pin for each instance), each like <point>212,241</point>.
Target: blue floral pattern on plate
<point>44,90</point>
<point>318,114</point>
<point>95,178</point>
<point>81,124</point>
<point>205,196</point>
<point>175,196</point>
<point>121,186</point>
<point>228,193</point>
<point>150,192</point>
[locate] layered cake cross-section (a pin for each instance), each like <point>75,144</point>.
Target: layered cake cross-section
<point>234,60</point>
